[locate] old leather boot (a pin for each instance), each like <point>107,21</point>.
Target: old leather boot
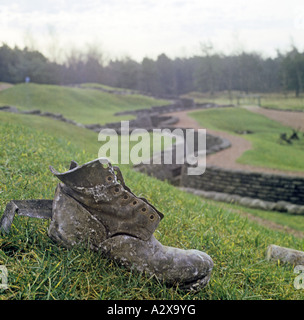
<point>94,206</point>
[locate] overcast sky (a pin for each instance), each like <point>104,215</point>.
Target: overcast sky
<point>139,28</point>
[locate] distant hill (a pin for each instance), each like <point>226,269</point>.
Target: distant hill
<point>81,105</point>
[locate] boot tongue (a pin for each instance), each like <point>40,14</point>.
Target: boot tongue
<point>93,173</point>
<point>73,165</point>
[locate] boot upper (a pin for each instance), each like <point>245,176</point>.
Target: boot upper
<point>100,188</point>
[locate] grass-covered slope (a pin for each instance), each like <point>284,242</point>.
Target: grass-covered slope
<point>267,149</point>
<point>86,106</point>
<point>280,101</point>
<point>39,269</point>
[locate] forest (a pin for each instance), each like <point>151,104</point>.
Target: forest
<point>246,72</point>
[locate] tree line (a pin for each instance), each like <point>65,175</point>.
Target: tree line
<point>209,72</point>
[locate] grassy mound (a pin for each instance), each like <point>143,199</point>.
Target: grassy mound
<point>86,106</point>
<point>39,269</point>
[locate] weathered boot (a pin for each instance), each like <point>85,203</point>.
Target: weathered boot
<point>94,206</point>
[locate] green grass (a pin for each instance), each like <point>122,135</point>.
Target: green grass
<point>39,269</point>
<point>88,140</point>
<point>84,106</point>
<point>295,222</point>
<point>283,218</point>
<point>267,151</point>
<point>280,101</point>
<point>221,97</point>
<point>104,87</point>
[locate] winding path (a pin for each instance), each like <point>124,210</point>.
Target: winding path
<point>227,158</point>
<point>293,119</point>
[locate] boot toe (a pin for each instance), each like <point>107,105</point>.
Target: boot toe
<point>189,269</point>
<point>198,275</point>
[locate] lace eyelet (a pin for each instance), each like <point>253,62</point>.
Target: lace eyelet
<point>152,217</point>
<point>109,179</point>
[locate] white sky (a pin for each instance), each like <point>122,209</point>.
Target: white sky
<point>140,28</point>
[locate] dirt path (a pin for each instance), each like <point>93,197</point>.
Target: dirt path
<point>4,86</point>
<point>227,158</point>
<point>292,119</point>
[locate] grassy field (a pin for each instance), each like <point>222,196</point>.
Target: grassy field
<point>280,101</point>
<point>86,106</point>
<point>283,219</point>
<point>267,150</point>
<point>39,269</point>
<point>222,97</point>
<point>104,87</point>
